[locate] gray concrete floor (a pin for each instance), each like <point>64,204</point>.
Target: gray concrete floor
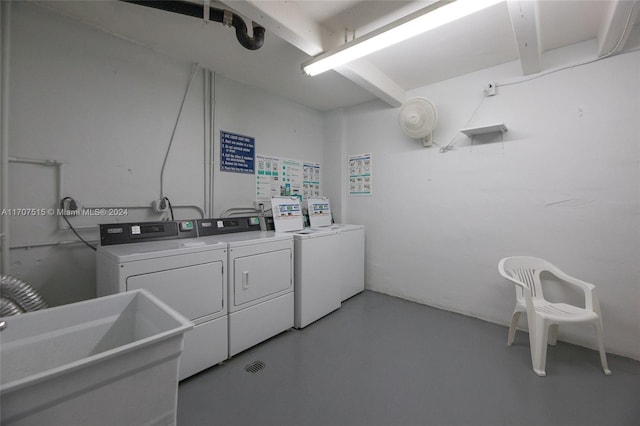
<point>381,360</point>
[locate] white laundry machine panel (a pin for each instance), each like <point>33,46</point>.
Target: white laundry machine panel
<point>317,275</point>
<point>190,276</point>
<point>258,275</point>
<point>260,289</point>
<point>319,210</point>
<point>351,239</point>
<point>351,248</point>
<point>259,322</point>
<point>178,285</point>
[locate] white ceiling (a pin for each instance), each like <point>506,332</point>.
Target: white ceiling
<point>299,29</point>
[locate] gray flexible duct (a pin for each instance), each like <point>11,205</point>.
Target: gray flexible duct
<point>8,308</point>
<point>21,294</point>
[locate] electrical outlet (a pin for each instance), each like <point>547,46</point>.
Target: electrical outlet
<point>160,206</point>
<point>490,89</point>
<point>71,205</point>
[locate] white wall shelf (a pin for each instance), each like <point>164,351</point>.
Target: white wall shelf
<point>481,130</point>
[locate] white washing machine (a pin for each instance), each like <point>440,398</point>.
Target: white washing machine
<point>350,250</point>
<point>349,246</point>
<point>187,274</point>
<point>260,286</point>
<point>316,272</point>
<point>317,279</point>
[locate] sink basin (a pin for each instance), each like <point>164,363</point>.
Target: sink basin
<point>111,360</point>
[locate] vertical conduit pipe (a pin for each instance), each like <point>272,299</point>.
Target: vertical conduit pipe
<point>5,11</point>
<point>344,170</point>
<point>212,139</point>
<point>205,152</point>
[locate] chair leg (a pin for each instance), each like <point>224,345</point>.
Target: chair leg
<point>538,337</point>
<point>603,354</point>
<point>553,334</point>
<point>512,328</point>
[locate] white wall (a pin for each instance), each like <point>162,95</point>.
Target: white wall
<point>105,108</point>
<point>562,185</point>
<point>281,128</point>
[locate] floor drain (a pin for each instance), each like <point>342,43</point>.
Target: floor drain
<point>254,367</point>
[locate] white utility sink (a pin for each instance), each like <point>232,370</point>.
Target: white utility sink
<point>111,360</point>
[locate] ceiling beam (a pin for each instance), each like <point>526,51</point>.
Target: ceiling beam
<point>616,26</point>
<point>370,78</point>
<point>524,20</point>
<point>288,21</point>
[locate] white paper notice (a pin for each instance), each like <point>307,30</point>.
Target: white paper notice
<point>276,177</point>
<point>360,172</point>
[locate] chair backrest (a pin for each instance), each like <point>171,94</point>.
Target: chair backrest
<point>524,271</point>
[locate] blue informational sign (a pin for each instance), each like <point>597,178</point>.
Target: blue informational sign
<point>237,153</point>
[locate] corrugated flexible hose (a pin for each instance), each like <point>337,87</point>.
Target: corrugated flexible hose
<point>16,293</point>
<point>8,308</point>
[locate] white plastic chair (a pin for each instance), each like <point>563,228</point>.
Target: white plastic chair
<point>544,317</point>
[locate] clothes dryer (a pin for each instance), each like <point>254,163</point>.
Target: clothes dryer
<point>260,286</point>
<point>187,274</point>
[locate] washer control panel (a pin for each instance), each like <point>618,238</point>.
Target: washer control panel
<point>134,232</point>
<point>124,233</point>
<point>227,225</point>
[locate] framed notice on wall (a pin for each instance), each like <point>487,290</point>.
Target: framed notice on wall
<point>360,172</point>
<point>237,153</point>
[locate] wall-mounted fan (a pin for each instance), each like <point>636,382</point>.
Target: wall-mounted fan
<point>418,117</point>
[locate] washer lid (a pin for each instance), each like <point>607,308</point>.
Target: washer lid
<point>314,233</point>
<point>153,249</point>
<point>255,237</point>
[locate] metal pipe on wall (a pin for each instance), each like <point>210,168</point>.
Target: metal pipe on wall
<point>239,210</point>
<point>5,11</point>
<point>141,206</point>
<point>28,245</point>
<point>205,153</point>
<point>59,178</point>
<point>60,191</point>
<point>62,226</point>
<point>212,138</point>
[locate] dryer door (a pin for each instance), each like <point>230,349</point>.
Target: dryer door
<point>195,291</point>
<point>262,275</point>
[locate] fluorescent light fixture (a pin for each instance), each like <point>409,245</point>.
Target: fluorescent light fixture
<point>433,16</point>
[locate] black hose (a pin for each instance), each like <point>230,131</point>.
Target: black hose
<point>69,223</point>
<point>78,235</point>
<point>215,14</point>
<point>170,207</point>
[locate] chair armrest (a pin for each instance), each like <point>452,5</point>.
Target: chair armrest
<point>511,278</point>
<point>590,300</point>
<point>526,291</point>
